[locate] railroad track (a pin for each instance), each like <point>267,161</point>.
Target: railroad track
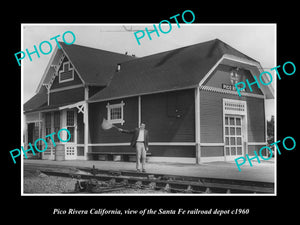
<point>119,180</point>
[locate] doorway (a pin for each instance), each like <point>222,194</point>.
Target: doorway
<point>233,136</point>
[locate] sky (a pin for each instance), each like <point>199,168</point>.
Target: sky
<point>258,41</point>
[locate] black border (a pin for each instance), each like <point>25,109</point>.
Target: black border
<point>269,207</point>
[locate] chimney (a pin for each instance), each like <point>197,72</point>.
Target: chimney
<point>118,67</point>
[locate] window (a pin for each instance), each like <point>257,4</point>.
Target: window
<point>67,72</point>
<point>236,107</point>
<point>71,124</point>
<point>115,113</point>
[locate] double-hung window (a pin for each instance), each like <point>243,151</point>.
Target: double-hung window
<point>71,124</point>
<point>115,113</point>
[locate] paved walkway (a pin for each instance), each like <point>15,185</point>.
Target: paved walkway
<point>263,171</point>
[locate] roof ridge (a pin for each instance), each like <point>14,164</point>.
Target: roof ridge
<point>93,48</point>
<point>168,51</point>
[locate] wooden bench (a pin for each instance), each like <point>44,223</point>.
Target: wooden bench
<point>109,156</point>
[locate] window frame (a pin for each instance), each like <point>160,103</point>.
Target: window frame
<point>73,126</point>
<point>114,106</point>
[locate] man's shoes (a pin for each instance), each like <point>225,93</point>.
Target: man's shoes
<point>138,170</point>
<point>144,171</point>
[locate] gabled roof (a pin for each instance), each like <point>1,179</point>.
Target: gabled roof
<point>177,69</point>
<point>95,66</point>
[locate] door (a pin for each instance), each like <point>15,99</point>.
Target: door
<point>233,137</point>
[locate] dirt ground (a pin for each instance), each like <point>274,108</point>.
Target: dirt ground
<point>38,183</point>
<point>35,182</point>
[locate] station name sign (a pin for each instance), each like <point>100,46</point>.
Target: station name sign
<point>230,87</point>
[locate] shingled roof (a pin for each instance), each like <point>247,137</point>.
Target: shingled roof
<point>177,69</point>
<point>95,66</point>
<point>37,101</point>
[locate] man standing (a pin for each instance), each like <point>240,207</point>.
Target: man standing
<point>140,139</point>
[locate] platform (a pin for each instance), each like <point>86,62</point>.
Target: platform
<point>264,171</point>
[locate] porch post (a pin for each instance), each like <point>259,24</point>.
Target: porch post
<point>139,111</point>
<point>86,122</point>
<point>197,125</point>
<point>86,129</point>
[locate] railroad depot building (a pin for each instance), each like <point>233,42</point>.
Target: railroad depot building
<point>186,98</point>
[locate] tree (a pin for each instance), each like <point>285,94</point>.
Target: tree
<point>270,132</point>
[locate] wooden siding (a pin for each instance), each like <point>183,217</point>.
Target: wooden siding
<point>256,120</point>
<point>67,96</point>
<point>221,75</point>
<point>173,151</point>
<point>56,83</point>
<point>252,148</point>
<point>112,149</point>
<point>211,117</point>
<point>98,111</point>
<point>156,151</point>
<point>161,119</point>
<point>170,117</point>
<point>211,151</point>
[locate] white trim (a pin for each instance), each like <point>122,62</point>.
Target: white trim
<point>213,159</point>
<point>63,70</point>
<point>212,144</point>
<point>150,144</point>
<point>244,125</point>
<point>72,105</point>
<point>109,144</point>
<point>160,144</point>
<point>73,66</point>
<point>241,60</point>
<point>231,111</point>
<point>225,91</point>
<point>197,125</point>
<point>172,143</point>
<point>34,121</point>
<point>142,94</point>
<point>210,71</point>
<point>257,143</point>
<point>66,88</point>
<point>139,110</point>
<point>54,75</point>
<point>46,70</point>
<point>86,128</point>
<point>171,159</point>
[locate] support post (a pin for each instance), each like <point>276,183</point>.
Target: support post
<point>86,121</point>
<point>139,110</point>
<point>197,125</point>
